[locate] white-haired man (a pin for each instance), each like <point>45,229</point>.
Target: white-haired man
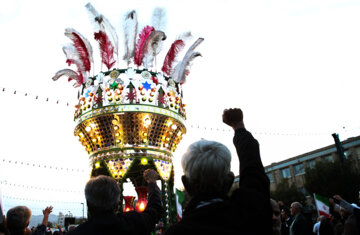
<point>103,196</point>
<point>300,225</point>
<point>207,179</point>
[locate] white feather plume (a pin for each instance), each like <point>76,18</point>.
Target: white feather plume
<point>71,74</point>
<point>182,68</point>
<point>153,47</point>
<point>159,19</point>
<point>130,32</point>
<point>73,57</point>
<point>69,33</point>
<point>103,24</point>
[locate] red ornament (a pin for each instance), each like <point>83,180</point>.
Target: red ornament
<point>142,201</point>
<point>129,203</point>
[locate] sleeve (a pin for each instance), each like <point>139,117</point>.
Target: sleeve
<point>144,223</point>
<point>253,194</point>
<point>252,173</point>
<point>347,206</point>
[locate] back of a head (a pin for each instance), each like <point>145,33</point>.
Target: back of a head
<point>297,206</point>
<point>102,195</point>
<point>17,219</point>
<point>206,166</point>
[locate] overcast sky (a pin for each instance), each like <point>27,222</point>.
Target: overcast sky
<point>292,66</point>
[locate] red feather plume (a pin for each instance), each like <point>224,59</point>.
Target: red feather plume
<point>177,46</point>
<point>106,49</point>
<point>81,48</point>
<point>144,34</point>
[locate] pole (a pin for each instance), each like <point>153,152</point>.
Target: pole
<point>339,147</point>
<point>83,209</point>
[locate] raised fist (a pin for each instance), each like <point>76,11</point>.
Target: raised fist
<point>233,118</point>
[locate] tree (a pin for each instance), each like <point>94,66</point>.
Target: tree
<point>287,193</point>
<point>330,178</point>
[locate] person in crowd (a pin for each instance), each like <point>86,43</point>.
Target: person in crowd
<point>339,217</point>
<point>71,227</point>
<point>207,179</point>
<point>316,227</point>
<point>326,227</point>
<point>276,220</point>
<point>102,195</point>
<point>300,225</point>
<point>285,221</point>
<point>18,219</point>
<point>351,216</point>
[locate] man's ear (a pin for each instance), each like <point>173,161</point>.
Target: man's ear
<point>187,186</point>
<point>229,180</point>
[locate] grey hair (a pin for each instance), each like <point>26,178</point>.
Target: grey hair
<point>102,194</point>
<point>18,218</point>
<point>297,206</point>
<point>274,203</point>
<point>206,165</point>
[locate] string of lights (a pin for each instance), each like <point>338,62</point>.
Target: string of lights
<point>7,183</point>
<point>192,126</point>
<point>38,200</point>
<point>31,164</point>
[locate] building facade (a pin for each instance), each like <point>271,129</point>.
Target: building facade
<point>294,168</point>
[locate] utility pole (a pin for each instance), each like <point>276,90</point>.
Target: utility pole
<point>339,147</point>
<point>83,209</point>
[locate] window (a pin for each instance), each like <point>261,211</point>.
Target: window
<point>286,173</point>
<point>270,176</point>
<point>311,164</point>
<point>299,169</point>
<point>328,158</point>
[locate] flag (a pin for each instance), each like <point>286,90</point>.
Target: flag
<point>180,197</point>
<point>322,205</point>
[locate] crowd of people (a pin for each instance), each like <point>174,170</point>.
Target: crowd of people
<point>343,219</point>
<point>211,209</point>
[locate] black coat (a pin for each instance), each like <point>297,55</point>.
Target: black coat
<point>128,222</point>
<point>301,226</point>
<point>247,211</point>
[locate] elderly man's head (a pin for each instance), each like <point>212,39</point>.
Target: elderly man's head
<point>102,195</point>
<point>276,220</point>
<point>206,166</point>
<point>295,208</point>
<point>18,219</point>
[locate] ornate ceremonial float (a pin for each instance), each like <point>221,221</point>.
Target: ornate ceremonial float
<point>130,119</point>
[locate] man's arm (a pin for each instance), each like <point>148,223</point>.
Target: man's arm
<point>253,194</point>
<point>145,221</point>
<point>42,228</point>
<point>252,173</point>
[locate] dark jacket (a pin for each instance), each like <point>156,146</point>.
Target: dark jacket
<point>247,211</point>
<point>301,226</point>
<point>128,222</point>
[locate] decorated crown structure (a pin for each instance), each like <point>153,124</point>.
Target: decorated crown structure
<point>126,115</point>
